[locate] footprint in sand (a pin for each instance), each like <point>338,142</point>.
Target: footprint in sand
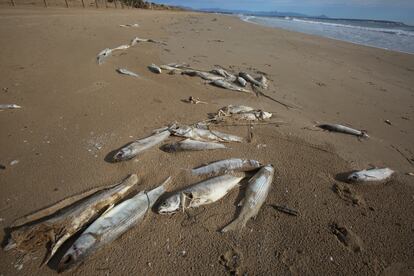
<point>348,194</point>
<point>231,260</point>
<point>347,238</point>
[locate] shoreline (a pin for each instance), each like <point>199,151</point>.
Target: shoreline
<point>320,36</point>
<point>75,113</point>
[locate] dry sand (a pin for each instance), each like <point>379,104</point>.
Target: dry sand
<point>76,112</point>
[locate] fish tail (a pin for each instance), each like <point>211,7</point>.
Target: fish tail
<point>155,193</point>
<point>236,225</point>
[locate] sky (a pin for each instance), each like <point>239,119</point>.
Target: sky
<point>395,10</point>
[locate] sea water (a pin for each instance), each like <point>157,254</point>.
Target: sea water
<point>381,34</point>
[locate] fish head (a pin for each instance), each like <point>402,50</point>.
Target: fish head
<point>77,252</point>
<point>123,154</point>
<point>170,205</point>
<point>357,177</point>
<point>181,130</point>
<point>265,115</point>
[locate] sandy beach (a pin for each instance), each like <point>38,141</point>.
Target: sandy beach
<point>75,113</point>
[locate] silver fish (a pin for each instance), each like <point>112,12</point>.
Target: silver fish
<point>154,68</point>
<point>226,166</point>
<point>110,226</point>
<point>223,73</point>
<point>192,145</point>
<point>228,85</point>
<point>169,68</point>
<point>9,106</point>
<point>263,82</point>
<point>252,115</point>
<point>136,40</point>
<point>140,145</point>
<point>242,81</point>
<point>204,75</point>
<point>103,55</point>
<point>122,47</point>
<point>136,25</point>
<point>67,221</point>
<point>126,72</point>
<point>234,109</point>
<point>204,134</point>
<point>250,79</point>
<point>343,129</point>
<point>370,175</point>
<point>257,190</point>
<point>202,193</point>
<point>178,65</point>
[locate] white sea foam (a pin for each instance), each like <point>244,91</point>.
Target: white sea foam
<point>369,33</point>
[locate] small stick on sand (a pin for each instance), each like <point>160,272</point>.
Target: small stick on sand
<point>250,133</point>
<point>258,92</point>
<point>403,155</point>
<point>286,210</point>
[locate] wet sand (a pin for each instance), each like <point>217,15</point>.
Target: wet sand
<point>75,113</point>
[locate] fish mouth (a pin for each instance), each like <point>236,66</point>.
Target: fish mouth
<point>166,212</point>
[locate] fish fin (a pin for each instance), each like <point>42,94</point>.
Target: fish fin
<point>54,248</point>
<point>237,224</point>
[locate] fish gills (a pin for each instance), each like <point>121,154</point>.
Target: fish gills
<point>110,226</point>
<point>257,190</point>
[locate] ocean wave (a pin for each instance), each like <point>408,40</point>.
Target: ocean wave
<point>382,30</point>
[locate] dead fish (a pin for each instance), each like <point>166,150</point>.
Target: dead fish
<point>178,65</point>
<point>122,47</point>
<point>226,166</point>
<point>110,226</point>
<point>202,193</point>
<point>140,145</point>
<point>228,85</point>
<point>204,134</point>
<point>343,129</point>
<point>66,222</point>
<point>204,75</point>
<point>136,25</point>
<point>263,82</point>
<point>126,72</point>
<point>234,109</point>
<point>192,145</point>
<point>242,81</point>
<point>224,74</point>
<point>370,175</point>
<point>9,106</point>
<point>257,190</point>
<point>256,115</point>
<point>136,40</point>
<point>103,55</point>
<point>165,128</point>
<point>154,68</point>
<point>169,68</point>
<point>194,100</point>
<point>250,79</point>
